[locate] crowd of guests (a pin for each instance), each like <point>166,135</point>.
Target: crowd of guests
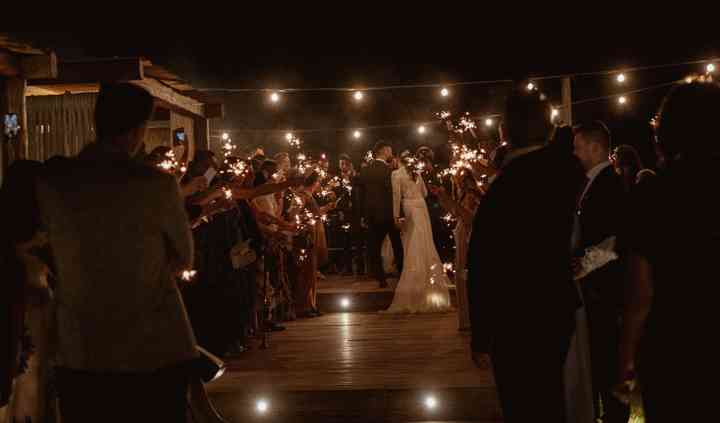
<point>575,285</point>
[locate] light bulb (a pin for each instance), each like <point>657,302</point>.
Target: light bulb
<point>530,86</point>
<point>444,92</point>
<point>357,134</point>
<point>622,99</point>
<point>489,122</point>
<point>274,97</point>
<point>421,129</point>
<point>620,78</point>
<point>225,136</point>
<point>358,95</point>
<point>710,68</point>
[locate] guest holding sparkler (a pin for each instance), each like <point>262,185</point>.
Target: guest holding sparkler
<point>463,209</point>
<point>308,246</point>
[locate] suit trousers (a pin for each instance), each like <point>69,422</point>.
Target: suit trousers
<point>528,370</point>
<point>114,397</point>
<point>603,322</point>
<point>377,232</point>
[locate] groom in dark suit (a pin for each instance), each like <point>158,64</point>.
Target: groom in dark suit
<point>599,216</point>
<point>521,292</point>
<point>376,199</point>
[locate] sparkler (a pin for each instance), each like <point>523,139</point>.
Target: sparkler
<point>188,275</point>
<point>169,163</point>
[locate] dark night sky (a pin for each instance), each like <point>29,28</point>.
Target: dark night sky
<point>344,56</point>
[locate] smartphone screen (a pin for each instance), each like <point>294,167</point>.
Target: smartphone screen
<point>180,136</point>
<point>210,174</point>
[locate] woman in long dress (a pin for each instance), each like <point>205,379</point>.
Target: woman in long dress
<point>310,248</point>
<point>464,210</point>
<point>423,285</point>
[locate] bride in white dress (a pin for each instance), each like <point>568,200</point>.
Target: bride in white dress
<point>423,285</point>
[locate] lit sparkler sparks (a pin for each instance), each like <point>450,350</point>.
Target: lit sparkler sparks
<point>188,275</point>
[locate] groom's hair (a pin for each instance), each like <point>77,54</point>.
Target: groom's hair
<point>527,119</point>
<point>379,146</point>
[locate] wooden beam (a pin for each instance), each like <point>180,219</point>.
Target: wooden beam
<point>12,100</point>
<point>39,66</point>
<point>112,70</point>
<point>567,101</point>
<point>8,64</point>
<point>17,104</point>
<point>170,96</point>
<point>214,110</point>
<point>202,134</point>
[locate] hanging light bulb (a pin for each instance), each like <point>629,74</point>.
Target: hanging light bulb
<point>421,129</point>
<point>710,68</point>
<point>622,100</point>
<point>358,96</point>
<point>357,134</point>
<point>530,86</point>
<point>489,122</point>
<point>225,136</point>
<point>444,92</point>
<point>620,78</point>
<point>274,97</point>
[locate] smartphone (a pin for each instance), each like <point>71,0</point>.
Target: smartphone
<point>210,174</point>
<point>11,125</point>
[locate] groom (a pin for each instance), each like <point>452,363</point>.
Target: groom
<point>376,200</point>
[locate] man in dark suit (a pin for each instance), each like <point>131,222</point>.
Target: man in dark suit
<point>599,217</point>
<point>521,293</point>
<point>120,235</point>
<point>376,199</point>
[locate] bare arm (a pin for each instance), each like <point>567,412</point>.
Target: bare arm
<point>396,192</point>
<point>241,193</point>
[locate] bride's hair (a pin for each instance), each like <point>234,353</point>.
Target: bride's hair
<point>409,161</point>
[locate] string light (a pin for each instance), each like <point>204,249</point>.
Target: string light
<point>620,78</point>
<point>622,100</point>
<point>444,92</point>
<point>274,97</point>
<point>358,95</point>
<point>530,86</point>
<point>225,136</point>
<point>421,129</point>
<point>710,68</point>
<point>357,134</point>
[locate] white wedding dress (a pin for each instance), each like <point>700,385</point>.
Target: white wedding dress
<point>423,285</point>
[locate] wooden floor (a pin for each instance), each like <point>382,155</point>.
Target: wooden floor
<point>359,366</point>
<point>359,351</point>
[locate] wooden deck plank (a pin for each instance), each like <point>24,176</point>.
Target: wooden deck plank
<point>356,351</point>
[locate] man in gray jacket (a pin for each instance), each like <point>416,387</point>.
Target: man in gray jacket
<point>119,234</point>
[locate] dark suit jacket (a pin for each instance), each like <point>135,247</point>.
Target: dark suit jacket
<point>376,197</point>
<point>601,216</point>
<point>520,282</point>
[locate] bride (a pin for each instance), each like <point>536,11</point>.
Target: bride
<point>423,285</point>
